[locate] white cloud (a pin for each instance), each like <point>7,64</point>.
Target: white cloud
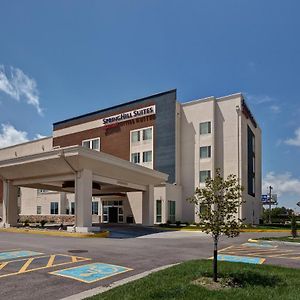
<point>264,99</point>
<point>9,136</point>
<point>259,99</point>
<point>295,141</point>
<point>18,85</point>
<point>283,184</point>
<point>275,109</point>
<point>39,136</point>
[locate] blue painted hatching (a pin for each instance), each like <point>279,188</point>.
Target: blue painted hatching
<point>242,259</point>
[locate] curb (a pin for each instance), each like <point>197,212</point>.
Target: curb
<point>102,289</point>
<point>274,242</point>
<point>103,234</point>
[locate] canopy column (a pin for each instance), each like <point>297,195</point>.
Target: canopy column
<point>148,206</point>
<point>10,204</point>
<point>83,201</point>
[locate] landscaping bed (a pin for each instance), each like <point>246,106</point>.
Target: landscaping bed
<point>191,280</point>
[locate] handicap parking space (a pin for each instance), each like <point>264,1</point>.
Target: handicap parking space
<point>18,262</point>
<point>91,272</point>
<point>242,259</point>
<point>17,254</point>
<point>36,262</point>
<point>262,250</point>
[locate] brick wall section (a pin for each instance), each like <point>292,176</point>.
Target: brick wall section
<point>114,141</point>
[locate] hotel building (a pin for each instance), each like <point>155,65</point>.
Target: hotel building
<point>136,162</point>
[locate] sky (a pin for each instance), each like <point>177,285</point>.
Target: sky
<point>60,59</point>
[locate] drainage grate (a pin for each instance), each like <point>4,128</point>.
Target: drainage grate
<point>77,251</point>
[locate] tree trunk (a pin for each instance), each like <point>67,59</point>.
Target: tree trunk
<point>215,271</point>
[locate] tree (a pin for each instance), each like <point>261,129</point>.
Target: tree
<point>294,226</point>
<point>219,201</point>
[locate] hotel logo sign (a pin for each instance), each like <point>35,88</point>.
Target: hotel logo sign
<point>130,115</point>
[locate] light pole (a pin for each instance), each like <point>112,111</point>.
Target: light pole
<point>270,203</point>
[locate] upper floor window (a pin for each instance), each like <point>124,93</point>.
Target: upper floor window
<point>147,156</point>
<point>203,175</point>
<point>205,152</point>
<point>135,136</point>
<point>147,134</point>
<point>205,127</point>
<point>92,144</point>
<point>135,158</point>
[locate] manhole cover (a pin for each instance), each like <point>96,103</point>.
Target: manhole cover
<point>77,251</point>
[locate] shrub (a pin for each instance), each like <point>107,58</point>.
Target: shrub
<point>26,223</point>
<point>178,223</point>
<point>43,222</point>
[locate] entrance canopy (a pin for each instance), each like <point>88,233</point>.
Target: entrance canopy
<point>82,171</point>
<point>55,170</point>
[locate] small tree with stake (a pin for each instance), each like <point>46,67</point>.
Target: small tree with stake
<point>219,201</point>
<point>294,226</point>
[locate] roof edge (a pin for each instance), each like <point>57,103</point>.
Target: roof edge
<point>114,107</point>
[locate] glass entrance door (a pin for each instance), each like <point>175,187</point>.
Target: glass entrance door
<point>113,214</point>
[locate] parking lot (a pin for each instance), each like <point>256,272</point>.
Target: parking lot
<point>35,267</point>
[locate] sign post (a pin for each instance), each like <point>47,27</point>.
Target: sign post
<point>270,203</point>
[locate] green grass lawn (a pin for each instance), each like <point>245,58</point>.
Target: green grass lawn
<point>282,238</point>
<point>255,281</point>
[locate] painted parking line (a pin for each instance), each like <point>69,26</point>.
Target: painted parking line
<point>25,265</point>
<point>267,252</point>
<point>17,254</point>
<point>92,272</point>
<point>242,259</point>
<point>259,245</point>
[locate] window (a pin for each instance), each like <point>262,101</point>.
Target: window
<point>54,208</point>
<point>96,144</point>
<point>95,206</point>
<point>205,127</point>
<point>135,136</point>
<point>205,152</point>
<point>147,134</point>
<point>92,144</point>
<point>158,211</point>
<point>42,191</point>
<point>251,162</point>
<point>172,211</point>
<point>147,156</point>
<point>72,208</point>
<point>203,175</point>
<point>38,210</point>
<point>135,158</point>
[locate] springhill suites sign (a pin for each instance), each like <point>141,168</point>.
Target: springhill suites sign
<point>130,115</point>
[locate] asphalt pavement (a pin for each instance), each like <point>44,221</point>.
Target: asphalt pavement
<point>42,274</point>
